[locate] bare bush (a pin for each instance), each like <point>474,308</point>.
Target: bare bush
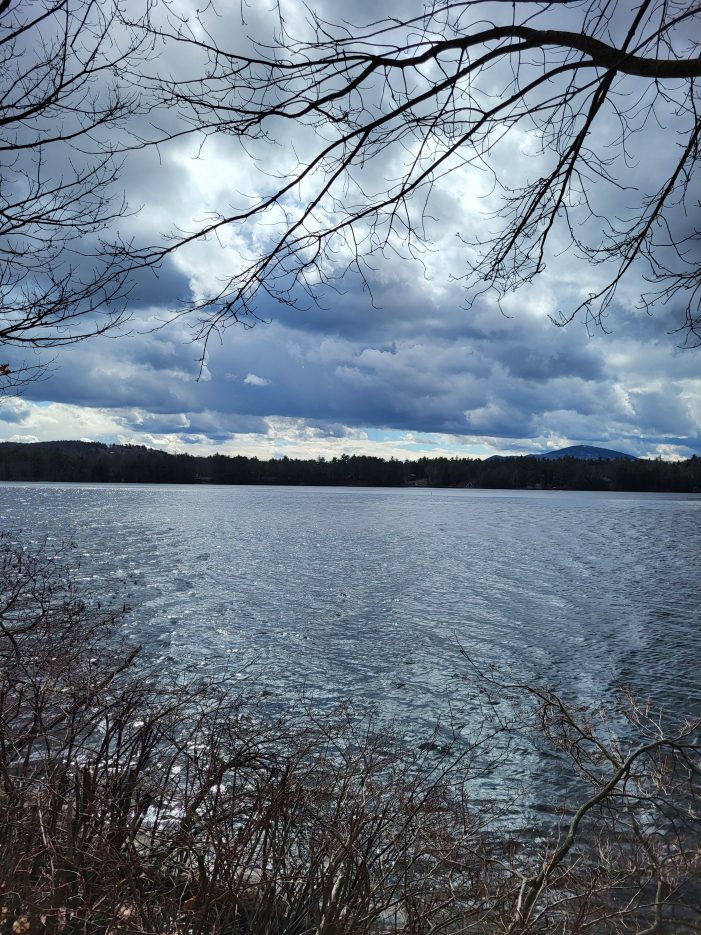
<point>131,804</point>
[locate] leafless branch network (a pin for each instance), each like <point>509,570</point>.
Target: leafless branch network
<point>386,112</point>
<point>62,106</point>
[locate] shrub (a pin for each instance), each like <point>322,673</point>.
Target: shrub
<point>136,803</point>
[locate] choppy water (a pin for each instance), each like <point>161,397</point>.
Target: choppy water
<point>366,593</point>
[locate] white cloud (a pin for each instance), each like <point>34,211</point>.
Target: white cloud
<point>14,410</point>
<point>57,421</point>
<point>253,380</point>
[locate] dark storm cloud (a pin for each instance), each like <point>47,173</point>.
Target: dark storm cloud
<point>658,407</point>
<point>524,381</point>
<point>410,358</point>
<point>524,362</point>
<point>162,287</point>
<point>151,370</point>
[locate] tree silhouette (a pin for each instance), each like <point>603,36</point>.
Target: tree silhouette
<point>62,101</point>
<point>388,109</point>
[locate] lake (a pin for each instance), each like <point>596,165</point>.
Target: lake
<point>366,594</point>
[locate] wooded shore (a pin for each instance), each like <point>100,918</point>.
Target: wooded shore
<point>94,462</point>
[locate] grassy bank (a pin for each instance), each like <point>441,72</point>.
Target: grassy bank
<point>136,803</point>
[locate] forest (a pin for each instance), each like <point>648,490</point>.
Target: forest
<point>95,462</point>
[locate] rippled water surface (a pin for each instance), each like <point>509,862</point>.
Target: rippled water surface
<point>366,593</point>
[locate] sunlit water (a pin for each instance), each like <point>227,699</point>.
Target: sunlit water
<point>367,594</point>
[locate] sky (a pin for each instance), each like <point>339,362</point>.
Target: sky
<point>411,370</point>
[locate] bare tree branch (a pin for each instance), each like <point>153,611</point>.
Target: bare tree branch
<point>441,93</point>
<point>61,102</point>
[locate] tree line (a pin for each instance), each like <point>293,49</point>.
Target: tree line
<point>95,462</point>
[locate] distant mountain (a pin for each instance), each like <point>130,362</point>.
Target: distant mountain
<point>581,452</point>
<point>585,453</point>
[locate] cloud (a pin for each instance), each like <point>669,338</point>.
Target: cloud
<point>405,368</point>
<point>474,387</point>
<point>13,410</point>
<point>254,380</point>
